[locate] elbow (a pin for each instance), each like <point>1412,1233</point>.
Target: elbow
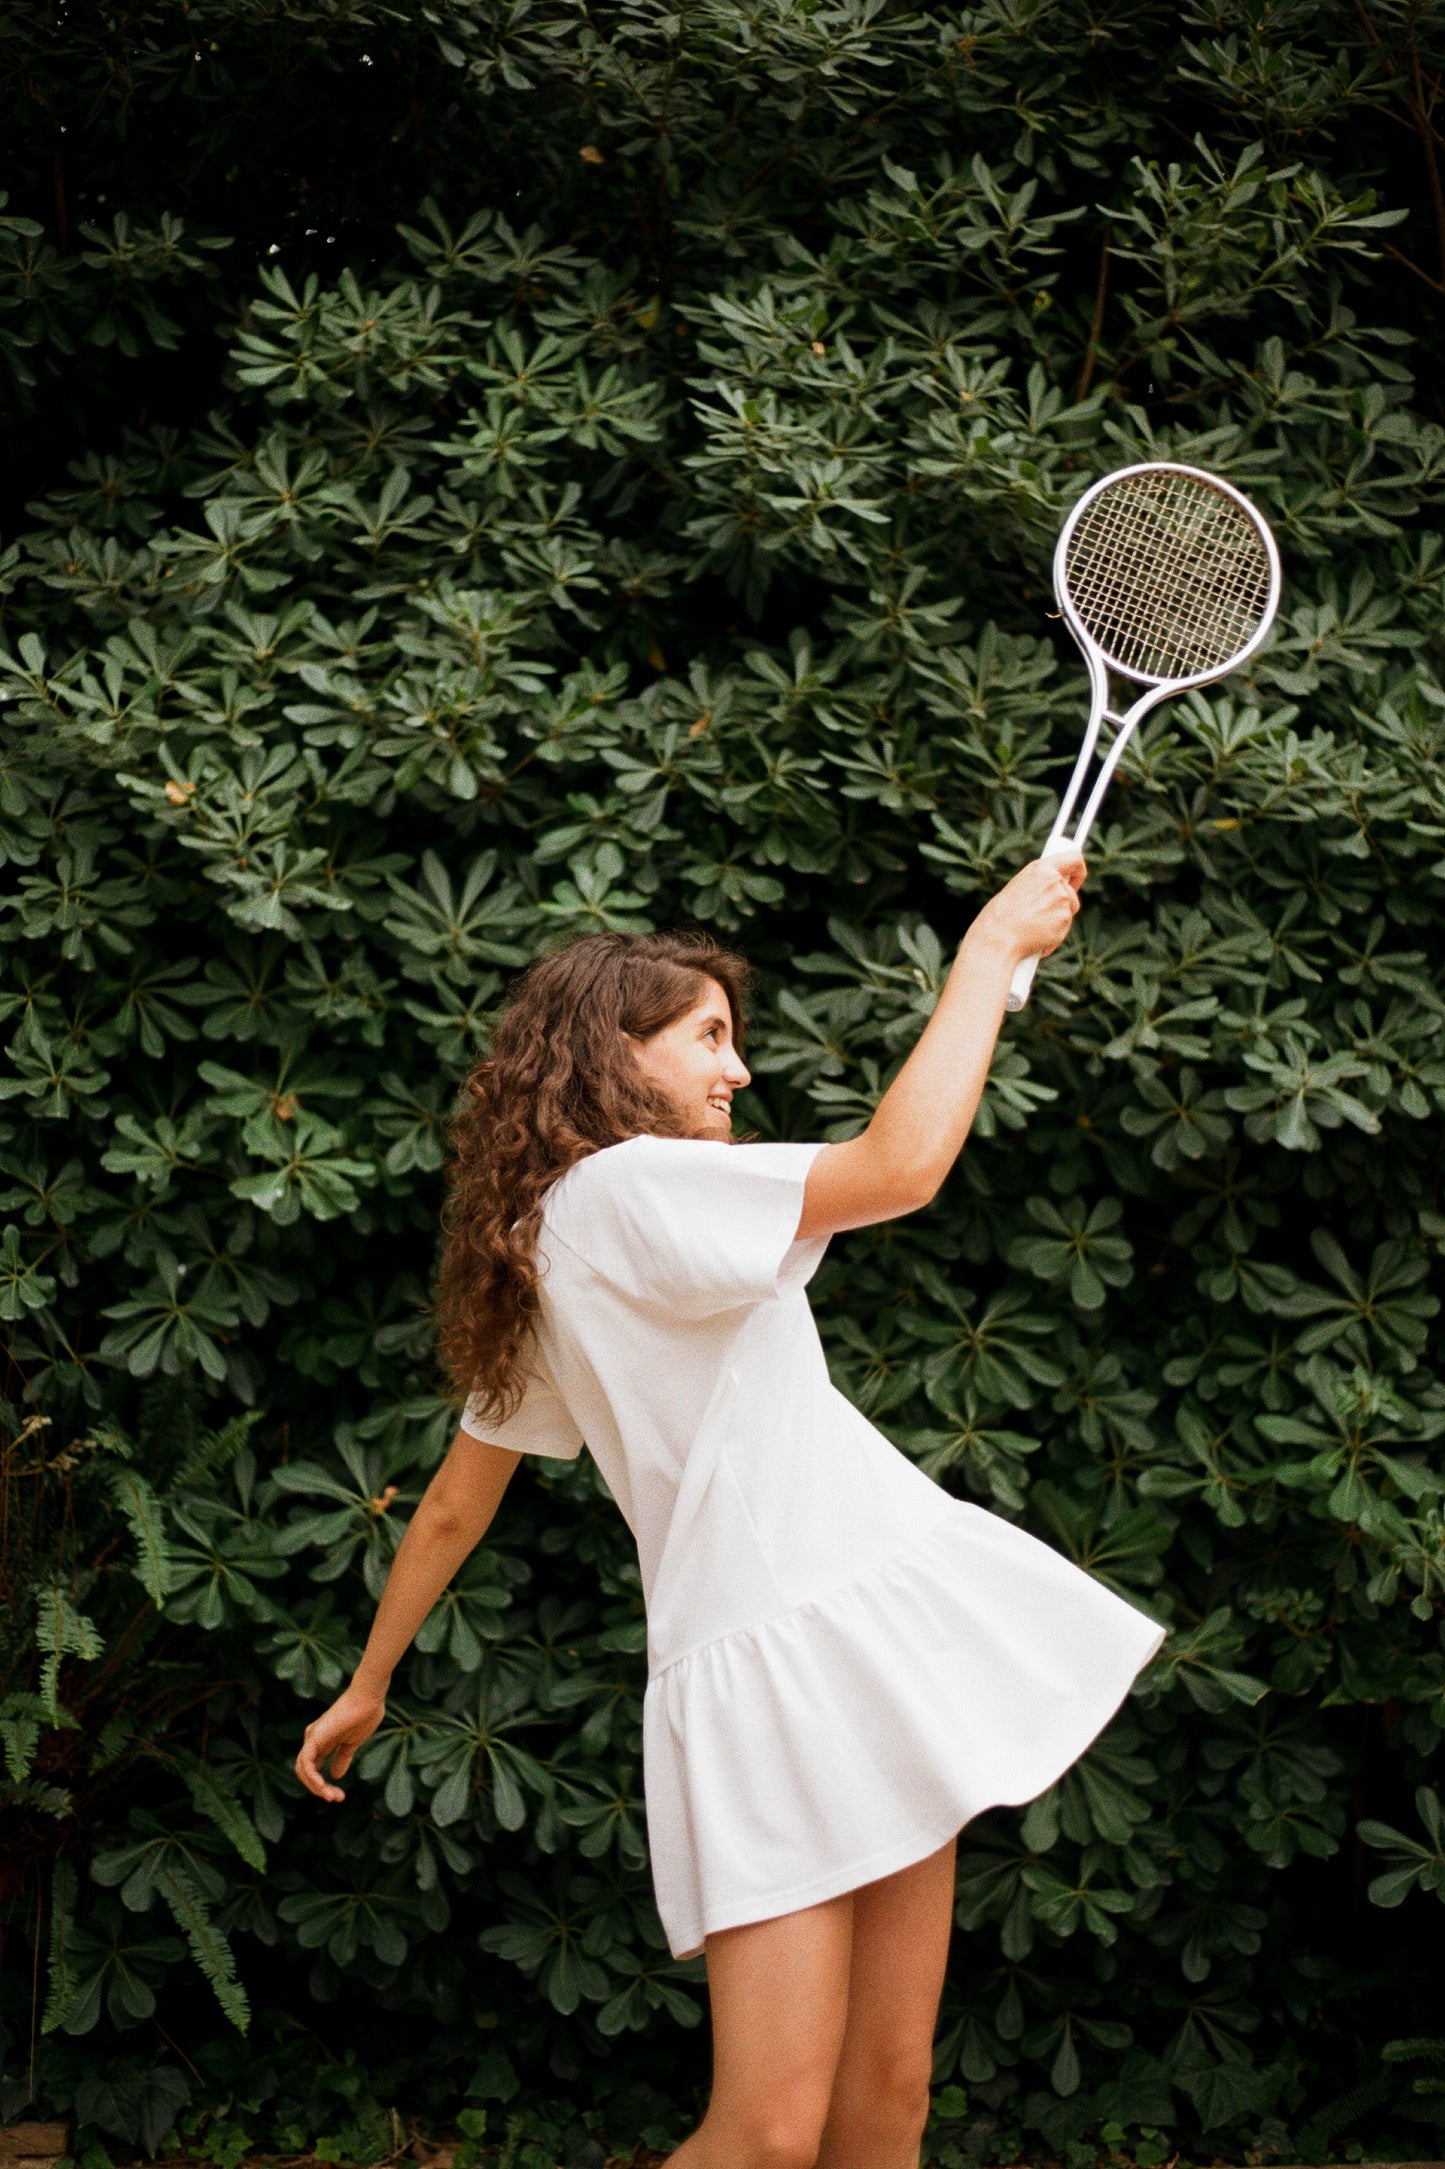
<point>922,1193</point>
<point>912,1188</point>
<point>921,1179</point>
<point>869,1179</point>
<point>443,1522</point>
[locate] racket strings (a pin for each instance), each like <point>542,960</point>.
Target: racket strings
<point>1169,576</point>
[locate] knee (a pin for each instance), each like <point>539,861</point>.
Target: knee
<point>787,2140</point>
<point>890,2097</point>
<point>910,2099</point>
<point>782,2135</point>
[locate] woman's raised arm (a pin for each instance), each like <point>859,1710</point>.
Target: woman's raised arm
<point>453,1515</point>
<point>918,1129</point>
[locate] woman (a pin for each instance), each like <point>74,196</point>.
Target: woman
<point>845,1664</point>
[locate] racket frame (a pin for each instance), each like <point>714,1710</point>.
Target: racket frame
<point>1156,689</point>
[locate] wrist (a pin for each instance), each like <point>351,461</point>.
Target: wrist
<point>371,1680</point>
<point>987,944</point>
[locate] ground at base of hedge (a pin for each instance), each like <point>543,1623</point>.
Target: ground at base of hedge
<point>640,2158</point>
<point>43,2146</point>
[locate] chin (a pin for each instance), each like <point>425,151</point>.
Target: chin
<point>715,1125</point>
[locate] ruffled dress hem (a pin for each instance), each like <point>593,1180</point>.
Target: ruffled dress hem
<point>967,1672</point>
<point>906,1854</point>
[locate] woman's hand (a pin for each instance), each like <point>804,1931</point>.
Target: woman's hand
<point>919,1125</point>
<point>335,1736</point>
<point>1031,916</point>
<point>454,1515</point>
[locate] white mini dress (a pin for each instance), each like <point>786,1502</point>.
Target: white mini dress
<point>845,1664</point>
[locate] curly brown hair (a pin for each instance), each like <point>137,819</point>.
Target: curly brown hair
<point>561,1082</point>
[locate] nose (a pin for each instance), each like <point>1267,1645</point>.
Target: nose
<point>737,1072</point>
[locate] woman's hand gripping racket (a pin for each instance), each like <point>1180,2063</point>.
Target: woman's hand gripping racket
<point>1167,576</point>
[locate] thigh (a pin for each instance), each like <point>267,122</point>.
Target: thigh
<point>779,1996</point>
<point>779,1993</point>
<point>901,1932</point>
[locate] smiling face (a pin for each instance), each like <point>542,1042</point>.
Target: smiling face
<point>694,1063</point>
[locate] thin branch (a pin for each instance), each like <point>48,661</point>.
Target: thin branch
<point>35,1968</point>
<point>62,213</point>
<point>1436,286</point>
<point>1096,327</point>
<point>1365,24</point>
<point>1387,112</point>
<point>185,2059</point>
<point>1420,111</point>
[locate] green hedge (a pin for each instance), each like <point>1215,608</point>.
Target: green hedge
<point>653,528</point>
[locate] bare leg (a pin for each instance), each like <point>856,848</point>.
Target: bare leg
<point>901,1929</point>
<point>779,1995</point>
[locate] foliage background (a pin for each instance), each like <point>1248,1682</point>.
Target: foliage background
<point>488,471</point>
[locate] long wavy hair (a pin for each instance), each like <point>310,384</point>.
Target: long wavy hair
<point>561,1082</point>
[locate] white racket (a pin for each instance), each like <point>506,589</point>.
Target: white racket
<point>1165,575</point>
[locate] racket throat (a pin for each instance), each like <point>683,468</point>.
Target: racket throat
<point>1071,828</point>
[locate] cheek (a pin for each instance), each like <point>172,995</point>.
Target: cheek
<point>676,1070</point>
<point>704,1067</point>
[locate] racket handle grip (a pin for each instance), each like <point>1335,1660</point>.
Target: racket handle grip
<point>1018,986</point>
<point>1023,978</point>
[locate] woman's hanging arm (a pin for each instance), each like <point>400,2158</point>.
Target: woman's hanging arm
<point>453,1515</point>
<point>919,1126</point>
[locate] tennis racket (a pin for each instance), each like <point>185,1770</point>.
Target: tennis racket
<point>1167,576</point>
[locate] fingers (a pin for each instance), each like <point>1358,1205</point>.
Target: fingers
<point>1058,881</point>
<point>333,1738</point>
<point>1035,910</point>
<point>1059,893</point>
<point>1069,875</point>
<point>1070,863</point>
<point>308,1767</point>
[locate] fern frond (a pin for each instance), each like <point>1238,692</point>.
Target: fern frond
<point>60,1631</point>
<point>1423,2046</point>
<point>111,1742</point>
<point>22,1717</point>
<point>1337,2115</point>
<point>217,1449</point>
<point>226,1813</point>
<point>60,1980</point>
<point>145,1518</point>
<point>208,1944</point>
<point>19,1736</point>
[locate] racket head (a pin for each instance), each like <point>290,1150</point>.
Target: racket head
<point>1167,573</point>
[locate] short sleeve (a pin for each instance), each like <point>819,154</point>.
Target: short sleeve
<point>540,1424</point>
<point>690,1226</point>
